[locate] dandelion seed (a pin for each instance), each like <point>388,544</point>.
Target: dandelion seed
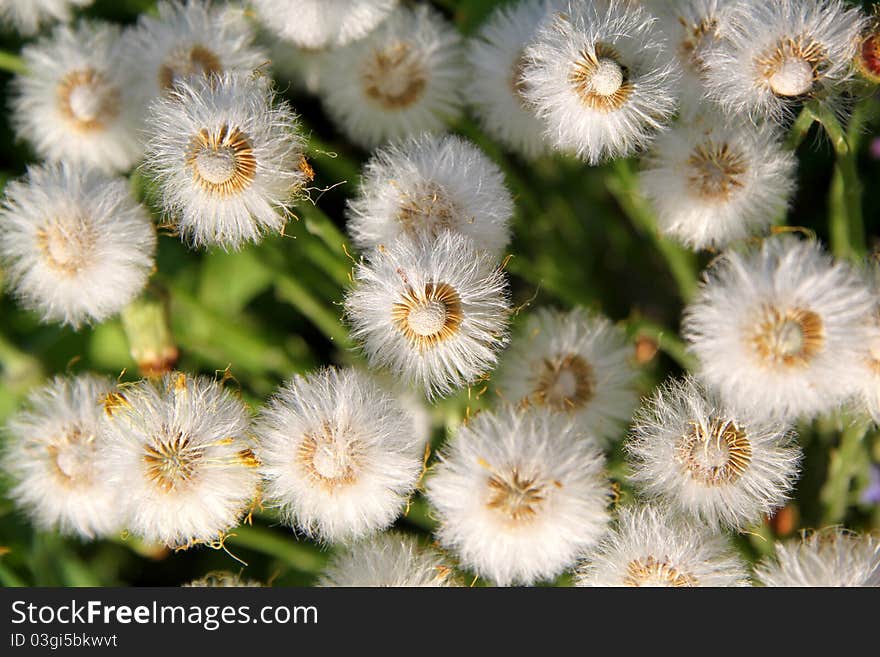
<point>403,79</point>
<point>223,579</point>
<point>689,451</point>
<point>191,40</point>
<point>433,312</point>
<point>75,103</point>
<point>28,16</point>
<point>575,363</point>
<point>390,559</point>
<point>340,456</point>
<point>76,247</point>
<point>519,496</point>
<point>775,55</point>
<point>430,184</point>
<point>322,23</point>
<point>227,157</point>
<point>496,88</point>
<point>598,77</point>
<point>180,449</point>
<point>831,557</point>
<point>651,547</point>
<point>713,183</point>
<point>779,330</point>
<point>52,455</point>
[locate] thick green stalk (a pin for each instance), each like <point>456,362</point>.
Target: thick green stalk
<point>291,291</point>
<point>844,462</point>
<point>12,63</point>
<point>682,263</point>
<point>304,557</point>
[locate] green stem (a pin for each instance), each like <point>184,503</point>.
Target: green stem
<point>843,464</point>
<point>682,264</point>
<point>290,290</point>
<point>302,556</point>
<point>12,63</point>
<point>18,368</point>
<point>846,223</point>
<point>800,129</point>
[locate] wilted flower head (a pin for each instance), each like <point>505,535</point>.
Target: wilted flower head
<point>830,557</point>
<point>228,158</point>
<point>75,245</point>
<point>651,547</point>
<point>192,39</point>
<point>777,54</point>
<point>53,453</point>
<point>223,579</point>
<point>576,363</point>
<point>390,559</point>
<point>339,455</point>
<point>497,59</point>
<point>598,76</point>
<point>322,23</point>
<point>779,330</point>
<point>28,16</point>
<point>714,182</point>
<point>519,496</point>
<point>179,449</point>
<point>404,78</point>
<point>75,102</point>
<point>435,312</point>
<point>689,451</point>
<point>868,56</point>
<point>429,184</point>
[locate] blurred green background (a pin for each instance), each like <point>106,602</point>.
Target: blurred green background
<point>582,236</point>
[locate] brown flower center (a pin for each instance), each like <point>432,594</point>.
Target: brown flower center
<point>427,209</point>
<point>87,100</point>
<point>716,170</point>
<point>67,246</point>
<point>565,383</point>
<point>187,61</point>
<point>790,339</point>
<point>600,79</point>
<point>428,316</point>
<point>656,572</point>
<point>716,454</point>
<point>394,76</point>
<point>222,161</point>
<point>328,460</point>
<point>793,66</point>
<point>171,460</point>
<point>515,496</point>
<point>71,455</point>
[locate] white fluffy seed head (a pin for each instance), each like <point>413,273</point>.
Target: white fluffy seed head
<point>715,182</point>
<point>223,579</point>
<point>427,185</point>
<point>776,54</point>
<point>780,329</point>
<point>228,158</point>
<point>575,363</point>
<point>339,455</point>
<point>724,470</point>
<point>75,103</point>
<point>403,79</point>
<point>598,76</point>
<point>322,23</point>
<point>28,16</point>
<point>519,496</point>
<point>869,371</point>
<point>75,245</point>
<point>394,311</point>
<point>191,39</point>
<point>390,559</point>
<point>650,546</point>
<point>828,558</point>
<point>181,451</point>
<point>52,455</point>
<point>496,55</point>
